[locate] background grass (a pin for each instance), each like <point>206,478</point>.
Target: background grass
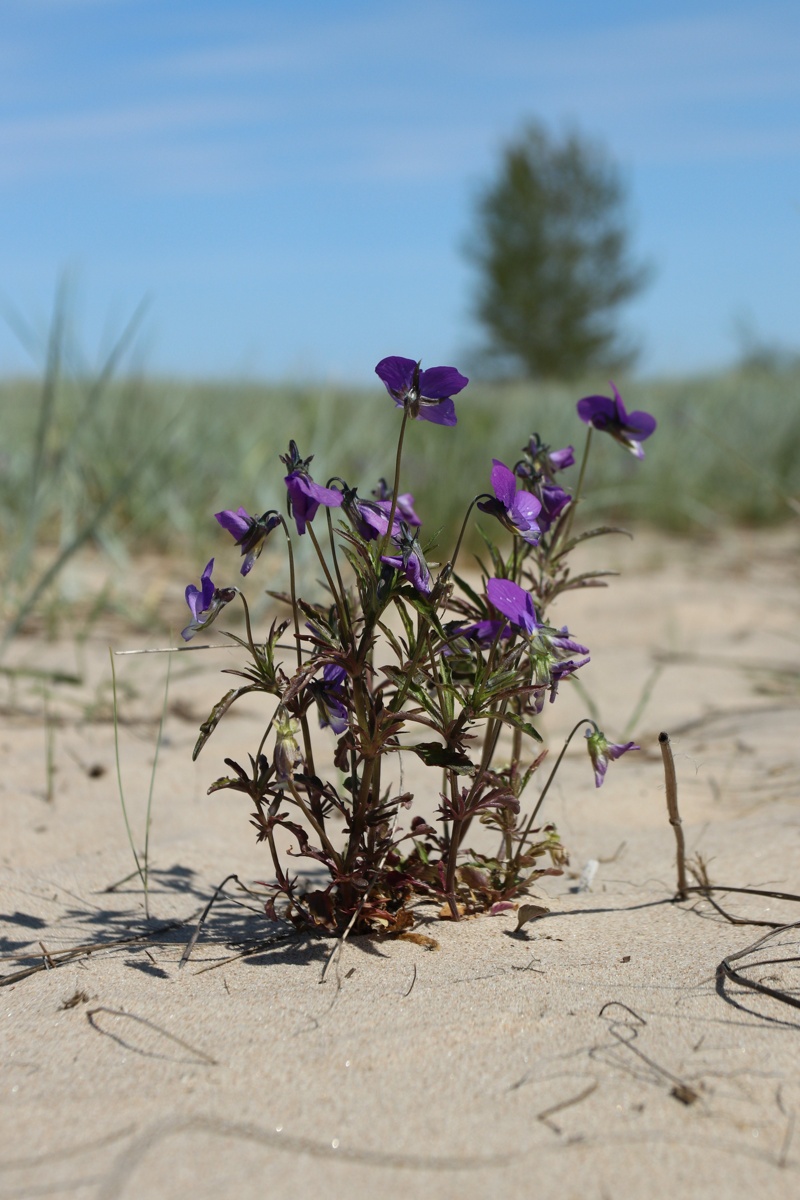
<point>130,465</point>
<point>727,450</point>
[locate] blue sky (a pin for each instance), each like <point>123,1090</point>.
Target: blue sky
<point>292,183</point>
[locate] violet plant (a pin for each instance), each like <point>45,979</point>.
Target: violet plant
<point>399,657</point>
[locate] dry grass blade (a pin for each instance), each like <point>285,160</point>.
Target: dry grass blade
<point>59,957</point>
<point>727,971</point>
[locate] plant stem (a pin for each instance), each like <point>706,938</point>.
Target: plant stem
<point>671,781</point>
<point>293,591</point>
<point>159,738</point>
<point>313,822</point>
<point>546,788</point>
<point>398,459</point>
<point>578,490</point>
<point>334,590</point>
<point>119,770</point>
<point>334,556</point>
<point>473,502</point>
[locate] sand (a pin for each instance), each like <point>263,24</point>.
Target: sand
<point>594,1054</point>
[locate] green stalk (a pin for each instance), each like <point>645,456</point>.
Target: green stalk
<point>395,488</point>
<point>334,591</point>
<point>546,788</point>
<point>578,490</point>
<point>119,772</point>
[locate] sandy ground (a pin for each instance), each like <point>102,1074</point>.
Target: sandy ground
<point>553,1062</point>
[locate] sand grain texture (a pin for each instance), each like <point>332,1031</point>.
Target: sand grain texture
<point>553,1062</point>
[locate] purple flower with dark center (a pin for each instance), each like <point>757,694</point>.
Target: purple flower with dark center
<point>425,394</point>
<point>514,602</point>
<point>205,602</point>
<point>330,696</point>
<point>250,532</point>
<point>629,429</point>
<point>601,751</point>
<point>516,509</point>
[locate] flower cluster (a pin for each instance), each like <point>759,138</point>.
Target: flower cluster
<point>400,656</point>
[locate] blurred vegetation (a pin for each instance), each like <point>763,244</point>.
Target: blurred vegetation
<point>550,244</point>
<point>118,462</point>
<point>727,450</point>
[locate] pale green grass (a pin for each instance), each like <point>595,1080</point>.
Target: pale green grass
<point>129,464</point>
<point>727,451</point>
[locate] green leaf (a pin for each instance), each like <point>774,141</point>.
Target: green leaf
<point>600,531</point>
<point>216,715</point>
<point>473,595</point>
<point>408,624</point>
<point>434,754</point>
<point>393,642</point>
<point>518,723</point>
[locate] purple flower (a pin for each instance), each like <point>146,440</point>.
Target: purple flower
<point>482,632</point>
<point>410,561</point>
<point>250,532</point>
<point>554,501</point>
<point>629,429</point>
<point>564,670</point>
<point>559,460</point>
<point>368,516</point>
<point>413,567</point>
<point>404,507</point>
<point>329,694</point>
<point>514,602</point>
<point>516,509</point>
<point>205,602</point>
<point>601,751</point>
<point>542,461</point>
<point>305,497</point>
<point>426,394</point>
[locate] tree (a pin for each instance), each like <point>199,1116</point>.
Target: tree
<point>551,250</point>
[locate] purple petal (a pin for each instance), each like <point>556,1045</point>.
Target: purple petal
<point>598,411</point>
<point>561,459</point>
<point>481,631</point>
<point>504,482</point>
<point>616,750</point>
<point>641,423</point>
<point>236,523</point>
<point>396,373</point>
<point>527,506</point>
<point>193,596</point>
<point>443,413</point>
<point>330,497</point>
<point>413,570</point>
<point>405,507</point>
<point>334,674</point>
<point>440,383</point>
<point>306,497</point>
<point>206,584</point>
<point>513,601</point>
<point>622,415</point>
